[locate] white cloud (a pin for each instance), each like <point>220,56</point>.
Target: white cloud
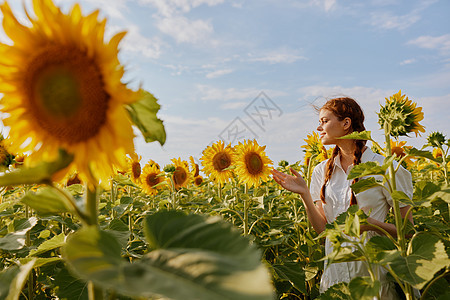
<point>440,43</point>
<point>387,20</point>
<point>210,93</point>
<point>112,8</point>
<point>275,56</point>
<point>134,41</point>
<point>326,5</point>
<point>184,30</point>
<point>168,8</point>
<point>218,73</point>
<point>408,61</point>
<point>234,105</point>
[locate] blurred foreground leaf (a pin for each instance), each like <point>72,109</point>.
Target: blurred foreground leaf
<point>41,173</point>
<point>143,115</point>
<point>193,258</point>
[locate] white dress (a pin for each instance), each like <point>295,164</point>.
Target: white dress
<point>337,198</point>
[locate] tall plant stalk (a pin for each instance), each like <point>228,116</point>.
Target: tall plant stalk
<point>397,214</point>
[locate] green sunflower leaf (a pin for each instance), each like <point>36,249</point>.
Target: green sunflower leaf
<point>16,240</point>
<point>428,256</point>
<point>292,272</point>
<point>364,184</point>
<point>143,115</point>
<point>363,288</point>
<point>420,153</point>
<point>363,135</point>
<point>193,257</point>
<point>13,280</point>
<point>366,169</point>
<point>46,201</point>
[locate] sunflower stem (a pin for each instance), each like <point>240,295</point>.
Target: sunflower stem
<point>246,207</point>
<point>113,198</point>
<point>219,191</point>
<point>91,205</point>
<point>28,244</point>
<point>397,215</point>
<point>444,164</point>
<point>94,292</point>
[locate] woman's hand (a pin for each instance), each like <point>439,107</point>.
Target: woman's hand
<point>294,183</point>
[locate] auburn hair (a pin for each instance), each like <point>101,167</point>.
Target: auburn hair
<point>344,107</point>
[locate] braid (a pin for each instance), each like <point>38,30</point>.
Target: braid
<point>356,161</point>
<point>328,172</point>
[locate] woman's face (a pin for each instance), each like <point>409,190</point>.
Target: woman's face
<point>331,128</point>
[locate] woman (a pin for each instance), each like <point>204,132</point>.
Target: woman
<point>330,193</point>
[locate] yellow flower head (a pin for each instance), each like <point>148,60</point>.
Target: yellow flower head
<point>198,180</point>
<point>217,160</point>
<point>314,148</point>
<point>402,115</point>
<point>252,163</point>
<point>194,167</point>
<point>398,148</point>
<point>437,152</point>
<point>152,179</point>
<point>134,168</point>
<point>181,176</point>
<point>61,86</point>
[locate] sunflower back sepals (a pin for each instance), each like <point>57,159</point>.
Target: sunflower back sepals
<point>400,116</point>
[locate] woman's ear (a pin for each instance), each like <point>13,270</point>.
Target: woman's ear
<point>347,123</point>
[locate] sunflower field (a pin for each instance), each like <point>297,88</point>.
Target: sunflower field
<point>83,217</point>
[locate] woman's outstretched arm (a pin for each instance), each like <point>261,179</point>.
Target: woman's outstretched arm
<point>295,183</point>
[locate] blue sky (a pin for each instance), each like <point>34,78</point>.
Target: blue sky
<point>224,66</point>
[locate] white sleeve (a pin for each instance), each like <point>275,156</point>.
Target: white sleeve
<point>316,182</point>
<point>403,182</point>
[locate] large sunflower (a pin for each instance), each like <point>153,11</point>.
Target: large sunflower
<point>152,179</point>
<point>181,176</point>
<point>252,163</point>
<point>61,85</point>
<point>217,160</point>
<point>402,115</point>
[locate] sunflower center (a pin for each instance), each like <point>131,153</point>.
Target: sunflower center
<point>398,151</point>
<point>136,169</point>
<point>66,93</point>
<point>221,161</point>
<point>152,179</point>
<point>179,176</point>
<point>254,163</point>
<point>198,180</point>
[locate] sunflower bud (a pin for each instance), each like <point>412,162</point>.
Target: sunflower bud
<point>436,139</point>
<point>401,115</point>
<point>169,168</point>
<point>283,163</point>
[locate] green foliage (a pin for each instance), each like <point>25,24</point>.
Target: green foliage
<point>427,255</point>
<point>211,245</point>
<point>362,135</point>
<point>143,114</point>
<point>191,258</point>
